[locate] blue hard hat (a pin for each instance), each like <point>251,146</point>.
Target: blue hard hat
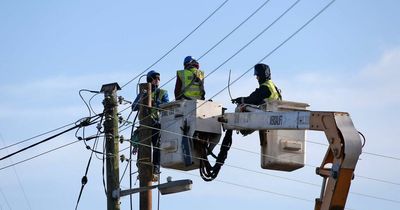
<point>188,59</point>
<point>152,75</point>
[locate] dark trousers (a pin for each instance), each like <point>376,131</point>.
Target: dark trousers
<point>155,140</point>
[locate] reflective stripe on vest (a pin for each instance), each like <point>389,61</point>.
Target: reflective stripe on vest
<point>271,86</point>
<point>192,90</point>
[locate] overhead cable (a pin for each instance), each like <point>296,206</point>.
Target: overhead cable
<point>280,45</point>
<point>39,135</point>
<point>237,27</point>
<point>173,48</point>
<point>248,43</point>
<point>65,145</point>
<point>285,178</point>
<point>18,180</point>
<point>85,122</point>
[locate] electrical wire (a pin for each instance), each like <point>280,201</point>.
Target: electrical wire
<point>84,101</point>
<point>367,153</point>
<point>84,179</point>
<point>18,179</point>
<point>174,47</point>
<point>65,145</point>
<point>83,122</point>
<point>281,177</point>
<point>237,27</point>
<point>35,144</point>
<point>39,135</point>
<point>90,105</point>
<point>5,199</point>
<point>239,185</point>
<point>247,44</point>
<point>254,38</point>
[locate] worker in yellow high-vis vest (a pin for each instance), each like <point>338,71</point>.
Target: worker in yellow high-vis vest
<point>266,91</point>
<point>190,81</point>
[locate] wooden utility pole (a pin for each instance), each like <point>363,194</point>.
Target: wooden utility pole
<point>144,152</point>
<point>112,142</point>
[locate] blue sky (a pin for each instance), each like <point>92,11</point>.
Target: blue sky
<point>347,59</point>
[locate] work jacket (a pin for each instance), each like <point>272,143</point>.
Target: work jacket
<point>192,83</point>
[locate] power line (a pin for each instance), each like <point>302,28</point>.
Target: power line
<point>248,43</point>
<point>18,179</point>
<point>378,180</point>
<point>256,37</point>
<point>42,134</point>
<point>380,155</point>
<point>367,153</point>
<point>237,27</point>
<point>39,155</point>
<point>5,199</point>
<point>173,48</point>
<point>239,185</point>
<point>280,45</point>
<point>82,123</point>
<point>281,177</point>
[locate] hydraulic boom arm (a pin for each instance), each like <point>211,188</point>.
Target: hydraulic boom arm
<point>341,157</point>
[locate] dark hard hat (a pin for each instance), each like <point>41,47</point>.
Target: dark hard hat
<point>151,75</point>
<point>262,70</point>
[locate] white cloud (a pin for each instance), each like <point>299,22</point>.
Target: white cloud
<point>386,68</point>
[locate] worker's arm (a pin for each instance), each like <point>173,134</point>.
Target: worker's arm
<point>165,98</point>
<point>178,87</point>
<point>256,97</point>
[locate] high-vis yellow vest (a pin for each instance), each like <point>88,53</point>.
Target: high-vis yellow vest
<point>191,87</point>
<point>154,111</point>
<point>272,88</point>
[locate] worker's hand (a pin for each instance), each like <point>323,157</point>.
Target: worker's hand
<point>237,100</point>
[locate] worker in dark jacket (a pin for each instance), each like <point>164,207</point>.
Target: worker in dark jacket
<point>266,91</point>
<point>158,96</point>
<point>190,81</point>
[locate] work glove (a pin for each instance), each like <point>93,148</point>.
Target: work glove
<point>237,100</point>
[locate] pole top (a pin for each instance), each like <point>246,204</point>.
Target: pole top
<point>110,87</point>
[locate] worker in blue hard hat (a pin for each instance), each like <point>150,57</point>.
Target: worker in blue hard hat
<point>158,96</point>
<point>190,81</point>
<point>266,91</point>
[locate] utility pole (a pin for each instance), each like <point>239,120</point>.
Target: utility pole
<point>144,152</point>
<point>112,142</point>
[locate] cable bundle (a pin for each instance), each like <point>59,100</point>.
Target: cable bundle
<point>208,172</point>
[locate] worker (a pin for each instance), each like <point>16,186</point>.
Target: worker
<point>190,81</point>
<point>158,96</point>
<point>266,91</point>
